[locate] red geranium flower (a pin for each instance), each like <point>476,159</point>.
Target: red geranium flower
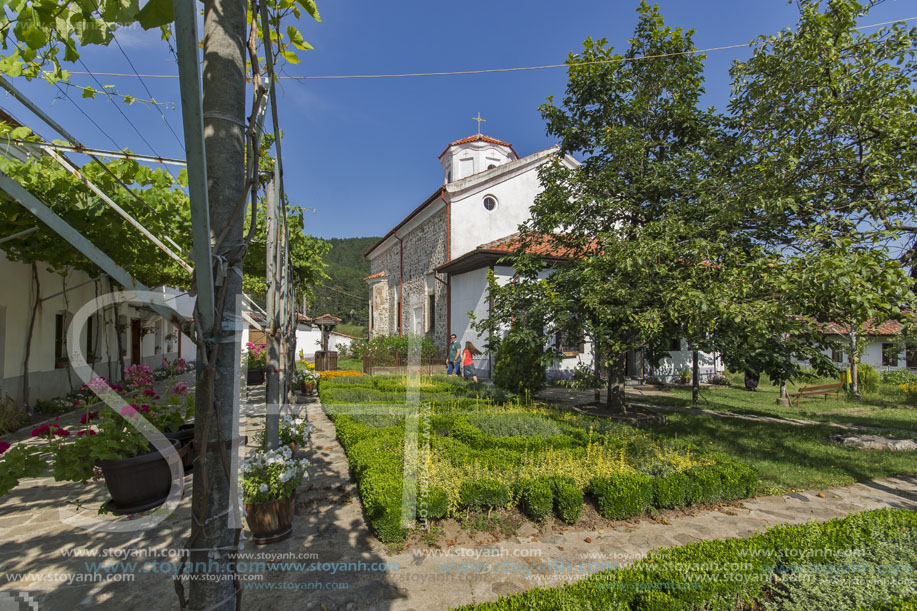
<point>87,418</point>
<point>4,446</point>
<point>86,432</point>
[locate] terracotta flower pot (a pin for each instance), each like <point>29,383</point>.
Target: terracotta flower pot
<point>271,521</point>
<point>254,377</point>
<point>139,483</point>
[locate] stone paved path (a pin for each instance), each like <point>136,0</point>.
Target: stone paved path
<point>330,530</point>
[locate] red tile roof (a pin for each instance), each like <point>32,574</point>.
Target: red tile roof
<point>374,276</point>
<point>547,246</point>
<point>889,327</point>
<point>479,138</point>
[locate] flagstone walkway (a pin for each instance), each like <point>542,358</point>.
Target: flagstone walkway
<point>352,570</point>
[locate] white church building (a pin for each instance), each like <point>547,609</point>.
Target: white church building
<point>430,270</point>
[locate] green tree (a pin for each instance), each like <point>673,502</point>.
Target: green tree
<point>826,115</point>
<point>618,216</point>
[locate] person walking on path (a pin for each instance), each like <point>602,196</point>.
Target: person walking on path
<point>468,355</point>
<point>455,354</point>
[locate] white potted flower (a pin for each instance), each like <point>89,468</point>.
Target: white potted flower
<point>269,482</point>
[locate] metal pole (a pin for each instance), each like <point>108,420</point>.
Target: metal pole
<point>193,123</point>
<point>19,234</point>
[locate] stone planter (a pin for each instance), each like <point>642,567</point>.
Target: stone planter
<point>271,521</point>
<point>139,483</point>
<point>254,377</point>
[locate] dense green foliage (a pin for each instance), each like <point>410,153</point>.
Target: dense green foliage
<point>868,378</point>
<point>344,293</point>
<point>787,567</point>
<point>520,365</point>
<point>385,349</point>
<point>479,452</point>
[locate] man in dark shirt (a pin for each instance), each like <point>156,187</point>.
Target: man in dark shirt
<point>455,354</point>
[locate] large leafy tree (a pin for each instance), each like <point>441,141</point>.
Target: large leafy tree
<point>826,113</point>
<point>619,217</point>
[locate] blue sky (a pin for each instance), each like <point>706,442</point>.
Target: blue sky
<point>360,154</point>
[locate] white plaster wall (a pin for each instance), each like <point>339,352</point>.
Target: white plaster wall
<point>309,340</point>
<point>670,367</point>
<point>473,225</point>
<point>46,381</point>
<point>469,294</point>
<point>873,355</point>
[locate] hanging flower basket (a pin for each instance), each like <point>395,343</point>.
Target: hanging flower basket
<point>271,521</point>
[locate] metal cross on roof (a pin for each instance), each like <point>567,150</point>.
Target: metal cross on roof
<point>479,120</point>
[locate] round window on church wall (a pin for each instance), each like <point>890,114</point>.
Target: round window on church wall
<point>490,203</point>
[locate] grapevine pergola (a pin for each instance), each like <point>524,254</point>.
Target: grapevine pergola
<point>218,247</point>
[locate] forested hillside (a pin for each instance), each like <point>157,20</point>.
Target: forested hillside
<point>345,295</point>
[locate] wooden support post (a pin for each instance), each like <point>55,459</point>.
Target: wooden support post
<point>272,331</point>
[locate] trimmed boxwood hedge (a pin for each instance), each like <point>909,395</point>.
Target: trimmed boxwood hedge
<point>536,498</point>
<point>374,444</point>
<point>623,495</point>
<point>484,493</point>
<point>568,498</point>
<point>662,581</point>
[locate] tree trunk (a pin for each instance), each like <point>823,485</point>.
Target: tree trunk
<point>273,287</point>
<point>854,358</point>
<point>695,377</point>
<point>598,370</point>
<point>28,338</point>
<point>213,539</point>
<point>614,399</point>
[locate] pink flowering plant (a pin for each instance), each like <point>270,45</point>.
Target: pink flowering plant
<point>255,356</point>
<point>103,434</point>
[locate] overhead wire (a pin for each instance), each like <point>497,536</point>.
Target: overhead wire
<point>83,112</point>
<point>497,70</point>
<point>149,93</point>
<point>131,123</point>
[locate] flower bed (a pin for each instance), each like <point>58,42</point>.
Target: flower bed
<point>863,561</point>
<point>480,452</point>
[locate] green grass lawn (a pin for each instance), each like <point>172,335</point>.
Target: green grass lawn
<point>350,364</point>
<point>884,409</point>
<point>787,457</point>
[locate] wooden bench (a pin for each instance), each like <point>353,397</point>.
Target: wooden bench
<point>824,389</point>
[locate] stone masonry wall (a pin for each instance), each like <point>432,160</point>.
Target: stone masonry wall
<point>424,250</point>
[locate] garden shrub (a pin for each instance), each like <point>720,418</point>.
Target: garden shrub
<point>536,498</point>
<point>526,463</point>
<point>705,484</point>
<point>515,425</point>
<point>623,495</point>
<point>568,498</point>
<point>898,377</point>
<point>433,504</point>
<point>867,378</point>
<point>657,582</point>
<point>670,490</point>
<point>484,493</point>
<point>519,366</point>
